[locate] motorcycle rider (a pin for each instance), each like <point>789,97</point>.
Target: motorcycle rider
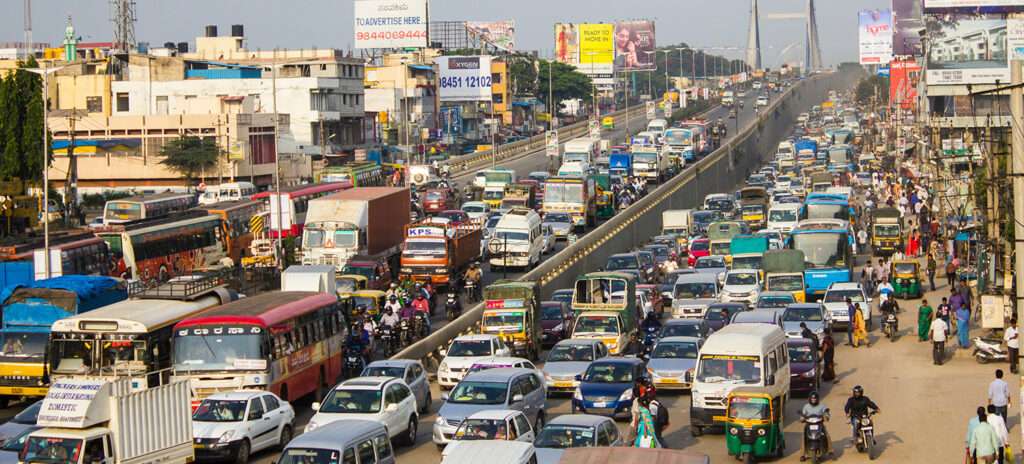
<point>889,306</point>
<point>651,321</point>
<point>814,408</point>
<point>858,406</point>
<point>359,341</point>
<point>393,304</point>
<point>420,305</point>
<point>454,303</point>
<point>389,318</point>
<point>473,274</point>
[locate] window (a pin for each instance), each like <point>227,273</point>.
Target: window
<point>272,403</point>
<point>255,409</point>
<point>532,384</point>
<point>417,371</point>
<point>409,376</point>
<point>773,363</point>
<point>401,392</point>
<point>383,446</point>
<point>613,431</point>
<point>349,457</point>
<point>522,424</point>
<point>495,78</point>
<point>602,436</point>
<point>366,452</point>
<point>499,98</point>
<point>95,451</point>
<point>122,102</point>
<point>94,104</point>
<point>390,395</point>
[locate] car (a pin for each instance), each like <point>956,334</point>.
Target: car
<point>561,224</point>
<point>496,362</point>
<point>454,216</point>
<point>437,200</point>
<point>811,315</point>
<point>698,248</point>
<point>386,400</point>
<point>624,262</point>
<point>346,437</point>
<point>232,425</point>
<point>692,294</point>
<point>804,365</point>
<point>742,286</point>
<point>762,100</point>
<point>672,362</point>
<point>409,370</point>
<point>714,317</point>
<point>96,223</point>
<point>562,294</point>
<point>761,316</point>
<point>476,209</point>
<point>668,283</point>
<point>11,448</point>
<point>774,300</point>
<point>492,424</point>
<point>465,351</point>
<point>575,431</point>
<point>21,421</point>
<point>555,321</point>
<point>503,388</point>
<point>835,303</point>
<point>549,239</point>
<point>696,328</point>
<point>713,264</point>
<point>568,359</point>
<point>606,388</point>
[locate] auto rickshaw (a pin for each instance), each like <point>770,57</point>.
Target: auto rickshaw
<point>608,122</point>
<point>605,205</point>
<point>906,279</point>
<point>753,424</point>
<point>373,300</point>
<point>348,283</point>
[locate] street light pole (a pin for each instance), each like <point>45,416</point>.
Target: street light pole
<point>46,177</point>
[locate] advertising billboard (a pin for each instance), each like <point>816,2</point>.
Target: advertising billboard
<point>597,48</point>
<point>904,76</point>
<point>567,44</point>
<point>875,34</point>
<point>634,46</point>
<point>966,49</point>
<point>973,6</point>
<point>908,22</point>
<point>464,78</point>
<point>499,34</point>
<point>390,23</point>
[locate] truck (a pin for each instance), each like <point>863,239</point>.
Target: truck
<point>620,164</point>
<point>754,206</point>
<point>840,158</point>
<point>886,231</point>
<point>512,312</point>
<point>720,235</point>
<point>357,174</point>
<point>784,272</point>
<point>683,141</point>
<point>420,174</point>
<point>748,251</point>
<point>604,308</point>
<point>94,420</point>
<point>728,98</point>
<point>439,253</point>
<point>583,149</point>
<point>678,223</point>
<point>366,221</point>
<point>648,163</point>
<point>519,195</point>
<point>805,151</point>
<point>574,195</point>
<point>29,312</point>
<point>320,279</point>
<point>821,181</point>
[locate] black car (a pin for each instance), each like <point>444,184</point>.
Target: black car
<point>685,328</point>
<point>714,318</point>
<point>555,322</point>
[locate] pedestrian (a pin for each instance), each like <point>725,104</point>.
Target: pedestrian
<point>943,313</point>
<point>938,331</point>
<point>1012,339</point>
<point>828,355</point>
<point>999,425</point>
<point>931,270</point>
<point>963,326</point>
<point>983,442</point>
<point>849,330</point>
<point>645,431</point>
<point>999,394</point>
<point>951,272</point>
<point>660,414</point>
<point>860,331</point>
<point>924,320</point>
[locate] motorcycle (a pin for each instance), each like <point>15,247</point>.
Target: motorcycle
<point>816,441</point>
<point>890,326</point>
<point>354,362</point>
<point>419,324</point>
<point>866,435</point>
<point>452,307</point>
<point>650,337</point>
<point>988,350</point>
<point>470,291</point>
<point>404,333</point>
<point>386,337</point>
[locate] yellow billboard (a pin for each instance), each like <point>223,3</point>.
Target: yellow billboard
<point>597,48</point>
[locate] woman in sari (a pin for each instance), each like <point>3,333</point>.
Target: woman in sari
<point>860,329</point>
<point>645,432</point>
<point>924,320</point>
<point>828,355</point>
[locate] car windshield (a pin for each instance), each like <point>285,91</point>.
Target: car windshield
<point>709,263</point>
<point>782,215</point>
<point>774,301</point>
<point>354,401</point>
<point>469,392</point>
<point>473,208</point>
<point>741,278</point>
<point>790,283</point>
<point>675,350</point>
<point>699,245</point>
<point>384,371</point>
<point>728,368</point>
<point>565,436</point>
<point>802,315</point>
<point>801,353</point>
<point>470,348</point>
<point>557,217</point>
<point>621,262</point>
<point>482,429</point>
<point>680,330</point>
<point>551,313</point>
<point>220,411</point>
<point>609,373</point>
<point>840,296</point>
<point>562,353</point>
<point>694,290</point>
<point>17,442</point>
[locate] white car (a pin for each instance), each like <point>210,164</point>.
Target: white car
<point>476,209</point>
<point>232,425</point>
<point>549,239</point>
<point>741,286</point>
<point>492,424</point>
<point>386,400</point>
<point>835,303</point>
<point>463,353</point>
<point>762,100</point>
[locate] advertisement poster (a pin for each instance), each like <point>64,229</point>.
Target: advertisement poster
<point>390,23</point>
<point>567,44</point>
<point>904,75</point>
<point>499,34</point>
<point>875,34</point>
<point>908,22</point>
<point>464,78</point>
<point>597,48</point>
<point>634,46</point>
<point>966,49</point>
<point>973,6</point>
<point>551,143</point>
<point>1015,38</point>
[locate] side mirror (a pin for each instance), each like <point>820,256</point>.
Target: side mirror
<point>391,407</point>
<point>518,397</point>
<point>579,377</point>
<point>315,406</point>
<point>443,352</point>
<point>444,396</point>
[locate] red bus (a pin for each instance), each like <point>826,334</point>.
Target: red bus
<point>89,255</point>
<point>237,217</point>
<point>289,343</point>
<point>294,203</point>
<point>164,248</point>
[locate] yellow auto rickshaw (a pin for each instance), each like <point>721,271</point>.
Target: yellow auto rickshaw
<point>372,300</point>
<point>608,122</point>
<point>349,283</point>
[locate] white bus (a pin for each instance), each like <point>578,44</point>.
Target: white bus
<point>146,207</point>
<point>517,241</point>
<point>230,191</point>
<point>737,355</point>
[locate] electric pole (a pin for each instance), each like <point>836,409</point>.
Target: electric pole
<point>1017,170</point>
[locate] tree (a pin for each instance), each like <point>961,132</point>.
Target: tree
<point>190,156</point>
<point>21,123</point>
<point>566,82</point>
<point>872,86</point>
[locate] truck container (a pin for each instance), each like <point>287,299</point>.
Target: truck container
<point>439,253</point>
<point>748,251</point>
<point>95,420</point>
<point>886,231</point>
<point>784,272</point>
<point>318,279</point>
<point>366,221</point>
<point>604,306</point>
<point>583,149</point>
<point>620,164</point>
<point>522,194</point>
<point>573,195</point>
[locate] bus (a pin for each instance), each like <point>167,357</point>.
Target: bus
<point>146,207</point>
<point>828,257</point>
<point>28,315</point>
<point>289,343</point>
<point>294,202</point>
<point>360,174</point>
<point>132,338</point>
<point>230,191</point>
<point>86,254</point>
<point>165,248</point>
<point>826,206</point>
<point>236,217</point>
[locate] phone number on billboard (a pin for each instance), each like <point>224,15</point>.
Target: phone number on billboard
<point>456,82</point>
<point>386,35</point>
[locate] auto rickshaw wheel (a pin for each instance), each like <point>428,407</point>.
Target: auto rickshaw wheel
<point>696,431</point>
<point>748,458</point>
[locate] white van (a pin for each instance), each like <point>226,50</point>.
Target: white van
<point>583,149</point>
<point>737,355</point>
<point>658,126</point>
<point>783,216</point>
<point>230,191</point>
<point>518,240</point>
<point>574,169</point>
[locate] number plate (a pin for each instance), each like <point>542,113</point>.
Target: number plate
<point>669,381</point>
<point>198,446</point>
<point>600,404</point>
<point>813,427</point>
<point>563,384</point>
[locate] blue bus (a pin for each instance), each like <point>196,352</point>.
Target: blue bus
<point>28,313</point>
<point>828,257</point>
<point>826,206</point>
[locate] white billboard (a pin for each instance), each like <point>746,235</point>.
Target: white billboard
<point>875,36</point>
<point>464,78</point>
<point>390,23</point>
<point>989,6</point>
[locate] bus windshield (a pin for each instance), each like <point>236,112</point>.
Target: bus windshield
<point>678,137</point>
<point>73,354</point>
<point>23,346</point>
<point>123,211</point>
<point>828,211</point>
<point>219,348</point>
<point>821,250</point>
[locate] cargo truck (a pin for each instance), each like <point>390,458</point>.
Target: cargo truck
<point>604,307</point>
<point>784,272</point>
<point>439,253</point>
<point>620,164</point>
<point>886,233</point>
<point>678,223</point>
<point>748,251</point>
<point>366,221</point>
<point>94,420</point>
<point>576,196</point>
<point>648,163</point>
<point>519,195</point>
<point>512,312</point>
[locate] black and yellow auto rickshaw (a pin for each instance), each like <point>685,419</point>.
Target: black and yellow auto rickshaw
<point>753,424</point>
<point>906,279</point>
<point>372,300</point>
<point>348,283</point>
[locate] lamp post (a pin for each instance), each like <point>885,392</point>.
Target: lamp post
<point>593,87</point>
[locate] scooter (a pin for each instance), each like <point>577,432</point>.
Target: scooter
<point>386,336</point>
<point>866,435</point>
<point>816,441</point>
<point>470,291</point>
<point>452,307</point>
<point>890,326</point>
<point>988,350</point>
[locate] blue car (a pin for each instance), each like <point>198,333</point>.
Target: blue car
<point>606,388</point>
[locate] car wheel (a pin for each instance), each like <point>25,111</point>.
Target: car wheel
<point>286,437</point>
<point>409,438</point>
<point>242,456</point>
<point>696,431</point>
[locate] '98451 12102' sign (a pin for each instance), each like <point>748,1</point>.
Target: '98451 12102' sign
<point>464,78</point>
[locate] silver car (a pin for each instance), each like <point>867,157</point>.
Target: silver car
<point>812,315</point>
<point>692,294</point>
<point>568,359</point>
<point>561,224</point>
<point>411,371</point>
<point>575,431</point>
<point>672,362</point>
<point>503,388</point>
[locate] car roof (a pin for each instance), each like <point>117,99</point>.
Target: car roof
<point>804,306</point>
<point>474,337</point>
<point>237,395</point>
<point>578,342</point>
<point>494,414</point>
<point>587,420</point>
<point>630,361</point>
<point>367,383</point>
<point>696,277</point>
<point>725,304</point>
<point>680,339</point>
<point>844,286</point>
<point>501,374</point>
<point>393,363</point>
<point>335,434</point>
<point>744,271</point>
<point>683,322</point>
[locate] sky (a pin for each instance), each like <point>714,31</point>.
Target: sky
<point>328,23</point>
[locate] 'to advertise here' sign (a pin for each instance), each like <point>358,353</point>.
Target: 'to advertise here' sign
<point>390,23</point>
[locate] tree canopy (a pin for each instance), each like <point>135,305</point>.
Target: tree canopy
<point>21,123</point>
<point>190,156</point>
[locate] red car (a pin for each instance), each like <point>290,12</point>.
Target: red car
<point>437,200</point>
<point>454,216</point>
<point>699,247</point>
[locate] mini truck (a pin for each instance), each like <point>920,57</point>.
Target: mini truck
<point>92,420</point>
<point>886,232</point>
<point>512,312</point>
<point>604,305</point>
<point>648,163</point>
<point>784,272</point>
<point>573,195</point>
<point>439,253</point>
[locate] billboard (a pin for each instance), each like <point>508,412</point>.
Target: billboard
<point>597,48</point>
<point>904,76</point>
<point>464,78</point>
<point>973,6</point>
<point>567,44</point>
<point>499,34</point>
<point>966,49</point>
<point>634,46</point>
<point>875,34</point>
<point>907,22</point>
<point>390,23</point>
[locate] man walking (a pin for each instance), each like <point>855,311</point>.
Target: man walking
<point>999,425</point>
<point>931,270</point>
<point>999,394</point>
<point>938,331</point>
<point>1012,339</point>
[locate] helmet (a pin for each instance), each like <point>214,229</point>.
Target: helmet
<point>813,398</point>
<point>392,298</point>
<point>394,285</point>
<point>858,391</point>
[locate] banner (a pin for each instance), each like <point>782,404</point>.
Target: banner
<point>973,6</point>
<point>597,49</point>
<point>966,49</point>
<point>904,76</point>
<point>390,23</point>
<point>499,34</point>
<point>634,46</point>
<point>875,36</point>
<point>464,78</point>
<point>908,22</point>
<point>567,44</point>
<point>1015,38</point>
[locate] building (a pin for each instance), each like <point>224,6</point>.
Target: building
<point>401,98</point>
